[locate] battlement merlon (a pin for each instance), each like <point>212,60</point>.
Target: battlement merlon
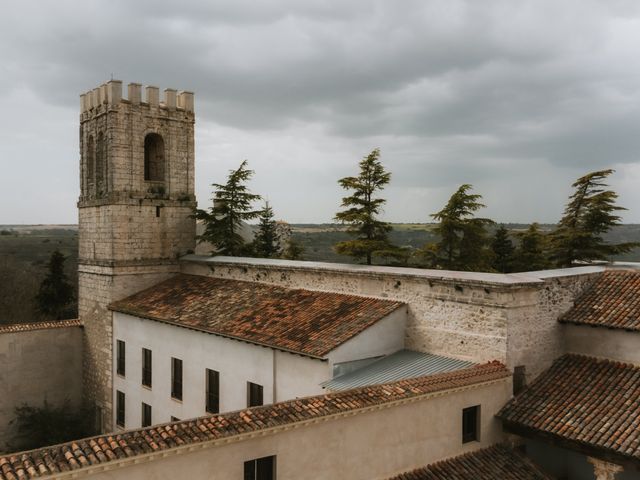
<point>111,93</point>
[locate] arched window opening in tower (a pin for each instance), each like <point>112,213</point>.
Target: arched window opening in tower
<point>101,163</point>
<point>90,163</point>
<point>153,158</point>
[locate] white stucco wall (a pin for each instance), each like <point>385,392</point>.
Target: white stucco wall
<point>384,338</point>
<point>371,445</point>
<point>619,345</point>
<point>283,375</point>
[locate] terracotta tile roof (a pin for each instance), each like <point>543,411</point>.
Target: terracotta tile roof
<point>104,449</point>
<point>593,402</point>
<point>28,327</point>
<point>613,301</point>
<point>301,321</point>
<point>493,463</point>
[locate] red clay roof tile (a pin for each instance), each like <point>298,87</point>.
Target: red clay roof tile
<point>613,301</point>
<point>302,321</point>
<point>29,327</point>
<point>493,463</point>
<point>592,401</point>
<point>132,443</point>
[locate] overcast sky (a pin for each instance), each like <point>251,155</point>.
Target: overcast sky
<point>518,98</point>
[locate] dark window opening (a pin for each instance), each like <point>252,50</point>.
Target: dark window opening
<point>176,378</point>
<point>157,212</point>
<point>120,408</point>
<point>90,161</point>
<point>146,367</point>
<point>153,158</point>
<point>120,364</point>
<point>260,469</point>
<point>470,424</point>
<point>254,395</point>
<point>213,391</point>
<point>146,415</point>
<point>101,162</point>
<point>519,379</point>
<point>174,419</point>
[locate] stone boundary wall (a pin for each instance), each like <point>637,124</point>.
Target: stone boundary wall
<point>468,315</point>
<point>37,365</point>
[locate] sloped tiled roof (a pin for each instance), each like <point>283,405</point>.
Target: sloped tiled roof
<point>593,402</point>
<point>29,327</point>
<point>98,451</point>
<point>302,321</point>
<point>494,463</point>
<point>613,301</point>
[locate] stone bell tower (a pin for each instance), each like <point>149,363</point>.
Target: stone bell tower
<point>136,199</point>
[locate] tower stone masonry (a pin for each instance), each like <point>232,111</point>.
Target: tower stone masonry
<point>135,207</point>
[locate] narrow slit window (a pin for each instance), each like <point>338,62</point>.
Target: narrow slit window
<point>146,367</point>
<point>120,412</point>
<point>176,378</point>
<point>213,391</point>
<point>146,415</point>
<point>121,360</point>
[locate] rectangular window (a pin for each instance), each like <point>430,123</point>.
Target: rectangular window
<point>176,378</point>
<point>120,408</point>
<point>260,469</point>
<point>213,391</point>
<point>470,422</point>
<point>146,367</point>
<point>120,365</point>
<point>146,415</point>
<point>254,394</point>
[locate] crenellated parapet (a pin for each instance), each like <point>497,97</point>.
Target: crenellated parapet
<point>110,94</point>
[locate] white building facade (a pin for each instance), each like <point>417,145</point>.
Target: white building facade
<point>221,374</point>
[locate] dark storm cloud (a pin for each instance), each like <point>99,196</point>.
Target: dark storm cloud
<point>492,93</point>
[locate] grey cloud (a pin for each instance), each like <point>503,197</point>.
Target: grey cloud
<point>453,91</point>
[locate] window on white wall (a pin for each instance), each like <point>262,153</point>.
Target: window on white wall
<point>254,395</point>
<point>120,412</point>
<point>146,367</point>
<point>176,378</point>
<point>213,391</point>
<point>120,368</point>
<point>146,415</point>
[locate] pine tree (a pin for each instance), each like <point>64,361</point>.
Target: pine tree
<point>56,293</point>
<point>463,238</point>
<point>362,209</point>
<point>590,213</point>
<point>232,205</point>
<point>531,253</point>
<point>502,248</point>
<point>266,243</point>
<point>293,250</point>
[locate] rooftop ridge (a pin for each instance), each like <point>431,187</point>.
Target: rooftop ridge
<point>501,279</point>
<point>31,326</point>
<point>133,444</point>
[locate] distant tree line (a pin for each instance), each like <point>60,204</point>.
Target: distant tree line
<point>465,241</point>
